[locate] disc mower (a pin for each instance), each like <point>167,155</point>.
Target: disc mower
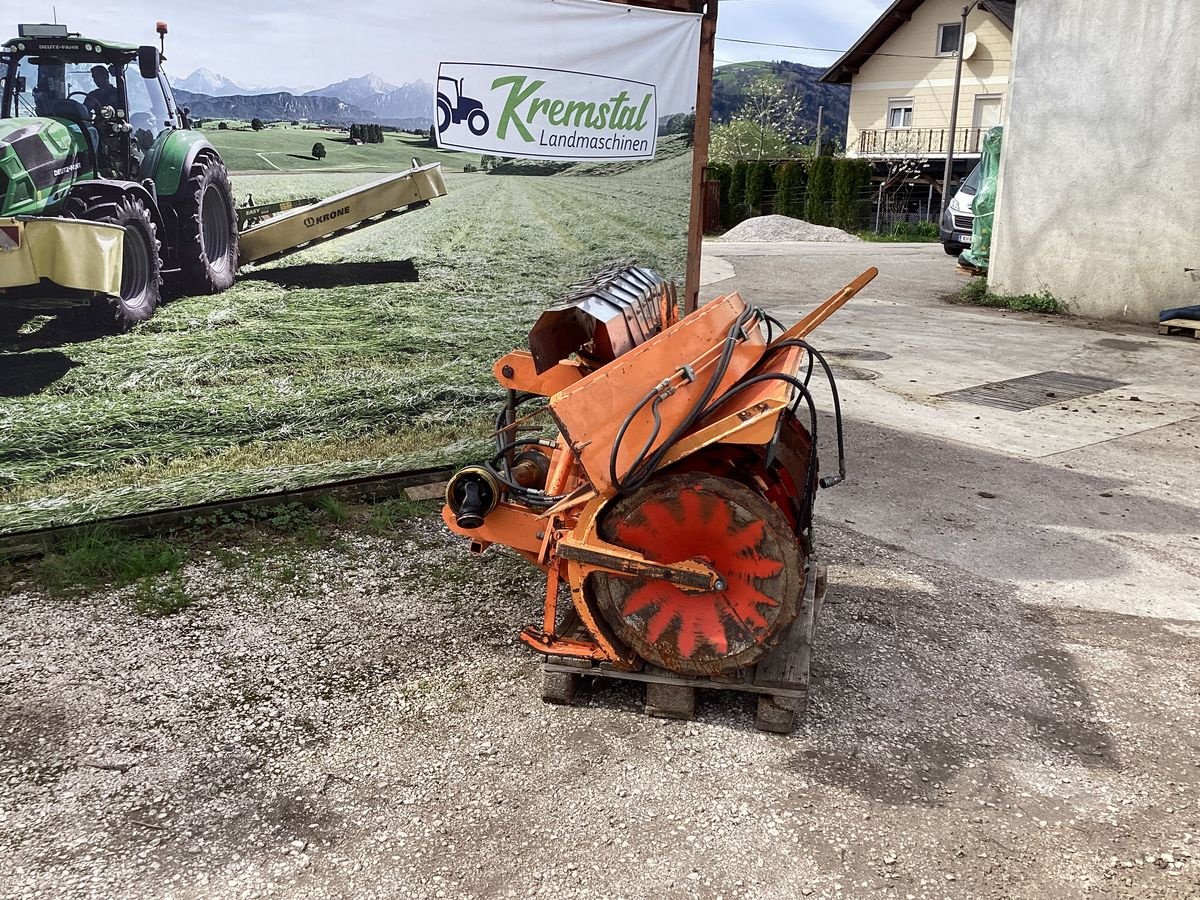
<point>675,501</point>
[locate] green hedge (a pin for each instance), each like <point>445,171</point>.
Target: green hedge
<point>790,181</point>
<point>851,206</point>
<point>758,181</point>
<point>824,191</point>
<point>737,191</point>
<point>818,202</point>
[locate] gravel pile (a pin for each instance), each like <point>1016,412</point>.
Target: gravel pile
<point>359,720</point>
<point>785,228</point>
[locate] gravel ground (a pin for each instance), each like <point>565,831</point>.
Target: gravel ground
<point>359,720</point>
<point>785,228</point>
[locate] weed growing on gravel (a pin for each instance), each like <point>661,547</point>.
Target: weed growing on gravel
<point>333,509</point>
<point>161,596</point>
<point>95,556</point>
<point>976,293</point>
<point>386,515</point>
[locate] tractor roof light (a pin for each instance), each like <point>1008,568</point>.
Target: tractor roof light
<point>161,28</point>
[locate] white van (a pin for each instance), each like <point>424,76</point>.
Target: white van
<point>959,220</point>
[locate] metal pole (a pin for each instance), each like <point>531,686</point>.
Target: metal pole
<point>962,39</point>
<point>708,42</point>
<point>820,117</point>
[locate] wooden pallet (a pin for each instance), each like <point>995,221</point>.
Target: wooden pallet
<point>1186,327</point>
<point>780,679</point>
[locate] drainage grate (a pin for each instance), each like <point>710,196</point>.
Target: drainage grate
<point>857,354</point>
<point>850,373</point>
<point>1032,391</point>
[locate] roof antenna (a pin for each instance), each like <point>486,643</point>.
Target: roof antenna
<point>54,9</point>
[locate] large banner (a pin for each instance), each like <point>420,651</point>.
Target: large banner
<point>568,80</point>
<point>366,354</point>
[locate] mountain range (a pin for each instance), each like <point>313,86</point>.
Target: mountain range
<point>369,98</point>
<point>365,99</point>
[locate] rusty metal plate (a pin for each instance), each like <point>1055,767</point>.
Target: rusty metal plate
<point>1032,391</point>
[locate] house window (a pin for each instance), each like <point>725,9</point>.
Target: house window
<point>900,113</point>
<point>948,35</point>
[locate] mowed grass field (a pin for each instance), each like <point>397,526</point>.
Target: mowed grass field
<point>288,148</point>
<point>369,353</point>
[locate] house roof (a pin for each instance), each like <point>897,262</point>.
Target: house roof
<point>885,26</point>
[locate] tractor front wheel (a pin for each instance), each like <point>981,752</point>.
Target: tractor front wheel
<point>140,265</point>
<point>478,122</point>
<point>208,236</point>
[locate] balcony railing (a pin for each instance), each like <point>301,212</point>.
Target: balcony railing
<point>918,141</point>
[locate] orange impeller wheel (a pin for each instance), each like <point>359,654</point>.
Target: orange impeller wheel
<point>721,523</point>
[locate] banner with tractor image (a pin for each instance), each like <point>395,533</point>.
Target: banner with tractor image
<point>239,291</point>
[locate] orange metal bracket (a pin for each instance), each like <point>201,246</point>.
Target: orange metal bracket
<point>810,322</point>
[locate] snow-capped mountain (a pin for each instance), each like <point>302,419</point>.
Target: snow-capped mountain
<point>205,81</point>
<point>355,90</point>
<point>410,101</point>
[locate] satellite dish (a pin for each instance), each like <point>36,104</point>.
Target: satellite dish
<point>970,45</point>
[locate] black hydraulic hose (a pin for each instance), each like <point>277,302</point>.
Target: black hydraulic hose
<point>804,394</point>
<point>837,406</point>
<point>642,468</point>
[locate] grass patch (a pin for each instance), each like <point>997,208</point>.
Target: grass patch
<point>976,293</point>
<point>904,233</point>
<point>94,557</point>
<point>288,147</point>
<point>388,514</point>
<point>161,596</point>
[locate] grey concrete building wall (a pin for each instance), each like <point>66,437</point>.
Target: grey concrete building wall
<point>1099,198</point>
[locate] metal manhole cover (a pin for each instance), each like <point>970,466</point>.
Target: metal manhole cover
<point>858,354</point>
<point>849,373</point>
<point>1032,391</point>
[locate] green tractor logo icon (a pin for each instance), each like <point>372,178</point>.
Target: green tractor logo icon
<point>459,108</point>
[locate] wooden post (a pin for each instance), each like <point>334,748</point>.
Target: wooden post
<point>708,42</point>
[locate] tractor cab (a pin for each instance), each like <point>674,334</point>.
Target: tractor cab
<point>112,100</point>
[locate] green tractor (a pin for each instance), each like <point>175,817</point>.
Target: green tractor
<point>104,188</point>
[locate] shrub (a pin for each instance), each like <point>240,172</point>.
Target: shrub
<point>851,182</point>
<point>819,200</point>
<point>789,190</point>
<point>318,150</point>
<point>221,126</point>
<point>758,181</point>
<point>737,191</point>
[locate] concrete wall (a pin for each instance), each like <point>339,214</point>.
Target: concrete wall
<point>1099,198</point>
<point>916,71</point>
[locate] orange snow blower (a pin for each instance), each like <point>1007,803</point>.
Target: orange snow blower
<point>675,501</point>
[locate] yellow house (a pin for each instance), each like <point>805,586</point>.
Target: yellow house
<point>901,77</point>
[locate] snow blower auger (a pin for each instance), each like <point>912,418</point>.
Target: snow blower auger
<point>675,502</point>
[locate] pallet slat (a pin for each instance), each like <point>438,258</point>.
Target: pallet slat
<point>1180,326</point>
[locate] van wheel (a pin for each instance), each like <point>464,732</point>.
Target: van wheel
<point>208,235</point>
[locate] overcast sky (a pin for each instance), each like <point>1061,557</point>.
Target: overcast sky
<point>311,43</point>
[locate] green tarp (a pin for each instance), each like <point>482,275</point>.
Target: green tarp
<point>984,205</point>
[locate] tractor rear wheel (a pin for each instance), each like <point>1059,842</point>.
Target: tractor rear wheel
<point>726,525</point>
<point>141,265</point>
<point>208,235</point>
